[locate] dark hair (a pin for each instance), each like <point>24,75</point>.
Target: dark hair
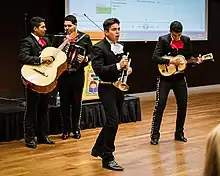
<point>71,18</point>
<point>108,22</point>
<point>93,82</point>
<point>35,22</point>
<point>176,26</point>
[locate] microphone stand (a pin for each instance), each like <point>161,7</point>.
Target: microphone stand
<point>93,22</point>
<point>23,103</point>
<point>25,24</point>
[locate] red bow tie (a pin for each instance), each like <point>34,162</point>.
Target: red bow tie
<point>42,42</point>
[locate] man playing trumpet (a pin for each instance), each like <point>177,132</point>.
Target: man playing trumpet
<point>109,64</point>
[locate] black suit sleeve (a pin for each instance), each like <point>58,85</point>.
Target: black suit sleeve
<point>105,72</point>
<point>88,47</point>
<point>25,53</point>
<point>189,51</point>
<point>159,52</point>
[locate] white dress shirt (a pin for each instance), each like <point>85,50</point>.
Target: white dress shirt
<point>116,48</point>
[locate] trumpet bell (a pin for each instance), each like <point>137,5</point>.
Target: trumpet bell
<point>116,84</point>
<point>120,85</point>
<point>123,87</point>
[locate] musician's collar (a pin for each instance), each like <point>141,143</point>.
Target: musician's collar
<point>172,37</point>
<point>111,42</point>
<point>36,37</point>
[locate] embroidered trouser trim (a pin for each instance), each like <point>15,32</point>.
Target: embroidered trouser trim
<point>70,87</point>
<point>163,88</point>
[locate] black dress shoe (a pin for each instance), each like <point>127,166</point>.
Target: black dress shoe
<point>180,138</point>
<point>96,153</point>
<point>112,165</point>
<point>76,134</point>
<point>30,143</point>
<point>154,141</point>
<point>45,140</point>
<point>65,136</point>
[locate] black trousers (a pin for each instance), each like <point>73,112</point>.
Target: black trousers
<point>36,114</point>
<point>70,87</point>
<point>164,84</point>
<point>112,99</point>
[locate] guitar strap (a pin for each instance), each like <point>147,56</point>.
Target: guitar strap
<point>79,37</point>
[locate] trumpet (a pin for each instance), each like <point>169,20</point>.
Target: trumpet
<point>122,81</point>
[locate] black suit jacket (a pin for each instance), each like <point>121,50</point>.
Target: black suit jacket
<point>84,42</point>
<point>163,48</point>
<point>104,62</point>
<point>30,50</point>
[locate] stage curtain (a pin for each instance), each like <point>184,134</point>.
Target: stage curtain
<point>93,115</point>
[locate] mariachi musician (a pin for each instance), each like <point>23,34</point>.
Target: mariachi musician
<point>71,82</point>
<point>36,103</point>
<point>172,44</point>
<point>109,63</point>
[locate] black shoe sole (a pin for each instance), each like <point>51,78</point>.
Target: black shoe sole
<point>109,168</point>
<point>29,146</point>
<point>95,154</point>
<point>76,137</point>
<point>176,139</point>
<point>154,142</point>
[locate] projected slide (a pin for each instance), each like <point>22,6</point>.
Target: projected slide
<point>142,20</point>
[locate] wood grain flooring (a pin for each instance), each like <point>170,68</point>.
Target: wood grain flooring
<point>133,151</point>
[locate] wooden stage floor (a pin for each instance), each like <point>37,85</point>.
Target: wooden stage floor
<point>133,150</point>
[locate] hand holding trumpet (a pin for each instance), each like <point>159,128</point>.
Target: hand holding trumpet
<point>126,70</point>
<point>123,62</point>
<point>125,65</point>
<point>129,70</point>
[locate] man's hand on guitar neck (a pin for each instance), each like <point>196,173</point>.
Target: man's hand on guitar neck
<point>199,59</point>
<point>195,60</point>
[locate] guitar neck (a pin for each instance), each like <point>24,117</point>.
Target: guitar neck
<point>204,57</point>
<point>61,47</point>
<point>192,60</point>
<point>73,35</point>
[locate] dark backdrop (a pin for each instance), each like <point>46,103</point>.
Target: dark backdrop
<point>143,79</point>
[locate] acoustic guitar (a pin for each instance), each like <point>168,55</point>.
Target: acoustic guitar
<point>171,69</point>
<point>43,78</point>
